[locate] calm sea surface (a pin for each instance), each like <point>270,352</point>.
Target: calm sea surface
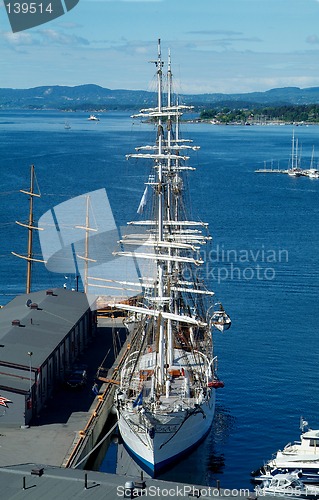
<point>263,263</point>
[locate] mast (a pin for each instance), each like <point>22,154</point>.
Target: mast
<point>87,230</point>
<point>293,152</point>
<point>30,233</point>
<point>159,65</point>
<point>170,341</point>
<point>312,157</point>
<point>29,258</point>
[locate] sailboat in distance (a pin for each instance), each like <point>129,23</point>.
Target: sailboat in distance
<point>166,397</point>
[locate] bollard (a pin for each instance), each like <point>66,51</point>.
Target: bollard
<point>86,481</point>
<point>129,489</point>
<point>23,483</point>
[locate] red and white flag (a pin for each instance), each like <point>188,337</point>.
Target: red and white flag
<point>4,401</point>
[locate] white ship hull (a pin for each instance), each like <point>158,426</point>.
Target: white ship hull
<point>295,462</point>
<point>170,439</point>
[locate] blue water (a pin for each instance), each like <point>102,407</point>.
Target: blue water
<point>263,263</point>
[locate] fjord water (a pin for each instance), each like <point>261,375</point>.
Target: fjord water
<point>263,261</point>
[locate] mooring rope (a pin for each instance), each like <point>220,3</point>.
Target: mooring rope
<point>96,446</point>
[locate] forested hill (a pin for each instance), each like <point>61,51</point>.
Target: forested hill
<point>93,97</point>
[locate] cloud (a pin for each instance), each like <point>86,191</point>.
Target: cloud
<point>18,38</point>
<point>60,38</point>
<point>22,40</point>
<point>227,35</point>
<point>215,32</point>
<point>312,39</point>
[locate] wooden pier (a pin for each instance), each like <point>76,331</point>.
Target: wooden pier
<point>271,171</point>
<point>311,173</point>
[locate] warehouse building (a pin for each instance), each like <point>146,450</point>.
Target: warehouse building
<point>41,336</point>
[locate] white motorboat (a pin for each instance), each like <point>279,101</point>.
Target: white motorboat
<point>313,173</point>
<point>295,173</point>
<point>286,485</point>
<point>301,456</point>
<point>166,398</point>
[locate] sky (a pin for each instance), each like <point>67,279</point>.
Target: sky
<point>217,46</point>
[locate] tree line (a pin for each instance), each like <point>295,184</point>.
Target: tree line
<point>285,113</point>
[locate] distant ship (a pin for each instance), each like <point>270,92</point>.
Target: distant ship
<point>93,118</point>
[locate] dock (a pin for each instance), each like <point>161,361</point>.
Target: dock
<point>311,173</point>
<point>72,421</point>
<point>49,460</point>
<point>271,171</point>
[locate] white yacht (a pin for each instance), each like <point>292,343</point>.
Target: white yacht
<point>301,456</point>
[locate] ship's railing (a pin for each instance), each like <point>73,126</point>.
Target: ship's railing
<point>128,367</point>
<point>133,383</point>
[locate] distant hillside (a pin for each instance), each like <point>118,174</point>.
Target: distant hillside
<point>82,97</point>
<point>93,97</point>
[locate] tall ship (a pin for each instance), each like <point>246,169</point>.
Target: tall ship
<point>166,397</point>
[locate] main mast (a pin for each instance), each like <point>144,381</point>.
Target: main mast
<point>160,195</point>
<point>170,264</point>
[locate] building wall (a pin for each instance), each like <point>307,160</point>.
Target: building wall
<point>52,372</point>
<point>22,408</point>
<point>14,413</point>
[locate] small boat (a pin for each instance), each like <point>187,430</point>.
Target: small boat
<point>266,473</point>
<point>289,485</point>
<point>301,455</point>
<point>93,118</point>
<point>295,173</point>
<point>312,173</point>
<point>220,319</point>
<point>67,126</point>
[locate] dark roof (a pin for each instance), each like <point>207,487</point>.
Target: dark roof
<point>58,483</point>
<point>41,328</point>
